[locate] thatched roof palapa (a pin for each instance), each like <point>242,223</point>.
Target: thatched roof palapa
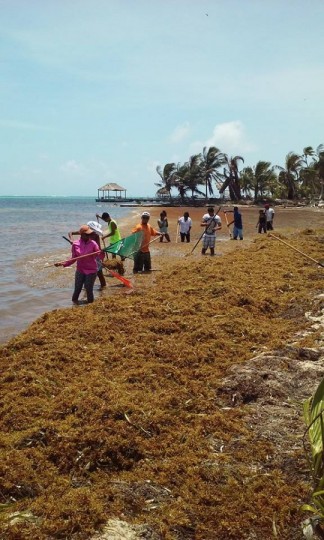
<point>111,187</point>
<point>115,188</point>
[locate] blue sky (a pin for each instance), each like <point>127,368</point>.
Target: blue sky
<point>97,91</point>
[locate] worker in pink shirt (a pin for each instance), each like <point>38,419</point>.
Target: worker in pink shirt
<point>86,270</point>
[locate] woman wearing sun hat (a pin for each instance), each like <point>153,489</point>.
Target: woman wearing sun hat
<point>96,234</point>
<point>86,271</point>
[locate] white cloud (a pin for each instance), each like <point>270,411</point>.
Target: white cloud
<point>229,137</point>
<point>180,133</point>
<point>13,124</point>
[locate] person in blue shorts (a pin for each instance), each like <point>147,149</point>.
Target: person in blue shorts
<point>238,225</point>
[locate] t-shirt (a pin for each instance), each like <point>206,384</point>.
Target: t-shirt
<point>163,225</point>
<point>262,218</point>
<point>185,225</point>
<point>116,236</point>
<point>211,223</point>
<point>269,212</point>
<point>87,265</point>
<point>238,220</point>
<point>148,231</point>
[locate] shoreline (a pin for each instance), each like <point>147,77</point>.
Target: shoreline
<point>286,219</point>
<point>138,406</point>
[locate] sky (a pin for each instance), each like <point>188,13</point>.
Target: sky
<point>98,91</point>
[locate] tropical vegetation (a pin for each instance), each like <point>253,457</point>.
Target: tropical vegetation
<point>313,415</point>
<point>301,176</point>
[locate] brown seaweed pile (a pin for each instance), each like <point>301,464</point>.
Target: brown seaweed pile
<point>151,407</point>
<point>114,264</point>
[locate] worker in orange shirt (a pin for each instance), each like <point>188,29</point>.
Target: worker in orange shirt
<point>142,259</point>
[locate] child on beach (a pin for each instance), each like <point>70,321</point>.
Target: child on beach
<point>163,226</point>
<point>86,271</point>
<point>262,222</point>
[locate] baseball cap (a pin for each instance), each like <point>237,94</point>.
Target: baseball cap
<point>146,214</point>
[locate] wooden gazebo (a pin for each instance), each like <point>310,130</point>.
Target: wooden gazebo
<point>111,191</point>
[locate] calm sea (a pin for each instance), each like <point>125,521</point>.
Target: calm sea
<point>32,238</point>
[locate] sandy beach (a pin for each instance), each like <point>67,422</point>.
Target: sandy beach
<point>158,410</point>
<point>287,220</point>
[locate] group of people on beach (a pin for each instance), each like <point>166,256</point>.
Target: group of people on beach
<point>265,221</point>
<point>89,256</point>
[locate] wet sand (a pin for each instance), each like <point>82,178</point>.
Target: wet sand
<point>287,221</point>
<point>55,285</point>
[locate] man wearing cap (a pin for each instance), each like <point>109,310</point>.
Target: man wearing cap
<point>142,259</point>
<point>86,271</point>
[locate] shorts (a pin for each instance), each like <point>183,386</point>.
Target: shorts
<point>209,241</point>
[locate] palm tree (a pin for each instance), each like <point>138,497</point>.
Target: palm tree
<point>179,181</point>
<point>319,167</point>
<point>187,177</point>
<point>211,159</point>
<point>246,181</point>
<point>166,174</point>
<point>259,178</point>
<point>231,175</point>
<point>307,152</point>
<point>289,175</point>
<point>309,186</point>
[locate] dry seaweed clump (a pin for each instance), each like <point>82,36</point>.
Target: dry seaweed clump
<point>173,413</point>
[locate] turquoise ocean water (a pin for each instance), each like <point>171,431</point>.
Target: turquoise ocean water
<point>31,239</point>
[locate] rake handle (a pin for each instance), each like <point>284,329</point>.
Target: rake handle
<point>298,250</point>
<point>193,249</point>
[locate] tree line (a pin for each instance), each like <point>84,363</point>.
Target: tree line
<point>301,177</point>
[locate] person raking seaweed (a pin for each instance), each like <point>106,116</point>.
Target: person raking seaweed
<point>212,223</point>
<point>97,233</point>
<point>142,258</point>
<point>113,232</point>
<point>237,221</point>
<point>86,271</point>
